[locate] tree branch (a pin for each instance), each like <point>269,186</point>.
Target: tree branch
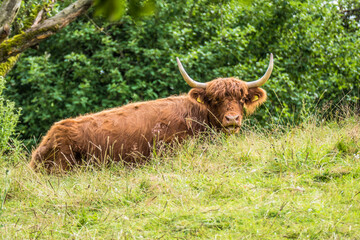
<point>38,17</point>
<point>8,11</point>
<point>42,30</point>
<point>4,32</point>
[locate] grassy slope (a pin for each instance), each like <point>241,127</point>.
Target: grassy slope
<point>303,183</point>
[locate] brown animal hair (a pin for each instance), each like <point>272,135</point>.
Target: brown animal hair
<point>221,91</point>
<point>129,133</point>
<point>231,87</point>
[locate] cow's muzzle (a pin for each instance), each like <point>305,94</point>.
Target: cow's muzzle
<point>231,123</point>
<point>231,129</point>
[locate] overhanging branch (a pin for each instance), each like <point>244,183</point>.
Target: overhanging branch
<point>4,32</point>
<point>42,30</point>
<point>8,11</point>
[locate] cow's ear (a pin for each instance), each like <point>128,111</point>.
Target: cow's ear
<point>198,94</point>
<point>255,97</point>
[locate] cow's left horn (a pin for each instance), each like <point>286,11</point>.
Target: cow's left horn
<point>192,83</point>
<point>261,81</point>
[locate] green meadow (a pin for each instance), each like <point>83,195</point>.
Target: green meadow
<point>299,182</point>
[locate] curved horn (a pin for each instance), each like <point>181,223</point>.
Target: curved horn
<point>261,81</point>
<point>188,79</point>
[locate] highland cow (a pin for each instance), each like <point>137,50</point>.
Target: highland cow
<point>129,133</point>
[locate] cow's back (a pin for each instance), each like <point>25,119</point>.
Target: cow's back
<point>124,133</point>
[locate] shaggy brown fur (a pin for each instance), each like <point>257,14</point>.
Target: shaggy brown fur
<point>129,133</point>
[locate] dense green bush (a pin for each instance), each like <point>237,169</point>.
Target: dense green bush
<point>94,64</point>
<point>8,119</point>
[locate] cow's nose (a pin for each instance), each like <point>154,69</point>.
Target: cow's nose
<point>232,119</point>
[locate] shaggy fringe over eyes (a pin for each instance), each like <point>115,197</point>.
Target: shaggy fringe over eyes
<point>237,89</point>
<point>224,89</point>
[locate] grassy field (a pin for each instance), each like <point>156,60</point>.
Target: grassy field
<point>298,183</point>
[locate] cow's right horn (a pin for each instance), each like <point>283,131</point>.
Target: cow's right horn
<point>261,81</point>
<point>188,79</point>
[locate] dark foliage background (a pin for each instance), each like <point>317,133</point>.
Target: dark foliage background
<point>95,64</point>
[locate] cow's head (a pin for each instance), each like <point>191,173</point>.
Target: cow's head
<point>226,98</point>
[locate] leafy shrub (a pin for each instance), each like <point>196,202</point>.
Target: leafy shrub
<point>93,65</point>
<point>8,119</point>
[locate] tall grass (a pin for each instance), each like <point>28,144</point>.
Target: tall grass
<point>295,182</point>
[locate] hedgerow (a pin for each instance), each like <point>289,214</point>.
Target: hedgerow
<point>95,64</point>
